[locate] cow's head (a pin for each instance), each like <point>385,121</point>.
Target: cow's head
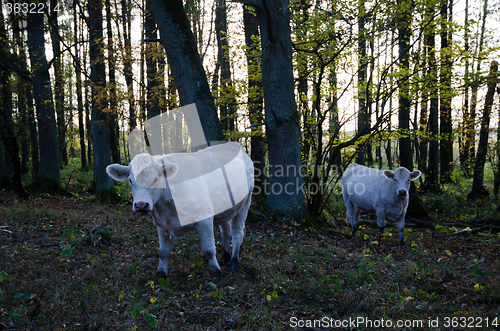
<point>146,176</point>
<point>402,178</point>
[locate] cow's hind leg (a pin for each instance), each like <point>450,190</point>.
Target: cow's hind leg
<point>207,242</point>
<point>165,249</point>
<point>226,231</point>
<point>238,232</point>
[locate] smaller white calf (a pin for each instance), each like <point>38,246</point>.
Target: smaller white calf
<point>383,192</point>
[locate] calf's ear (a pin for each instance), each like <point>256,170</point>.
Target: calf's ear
<point>118,172</point>
<point>170,169</point>
<point>389,174</point>
<point>415,174</point>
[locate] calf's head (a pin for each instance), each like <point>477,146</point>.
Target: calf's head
<point>402,178</point>
<point>146,177</point>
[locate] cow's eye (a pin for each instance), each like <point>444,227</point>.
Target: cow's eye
<point>130,181</point>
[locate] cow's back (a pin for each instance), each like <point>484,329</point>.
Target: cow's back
<point>365,187</point>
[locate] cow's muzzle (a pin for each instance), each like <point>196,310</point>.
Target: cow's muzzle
<point>141,208</point>
<point>402,192</point>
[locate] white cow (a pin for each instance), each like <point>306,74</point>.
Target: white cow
<point>383,192</point>
<point>191,195</point>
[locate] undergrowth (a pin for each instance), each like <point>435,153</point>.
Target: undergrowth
<point>70,263</point>
<point>52,276</point>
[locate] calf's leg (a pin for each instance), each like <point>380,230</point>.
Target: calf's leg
<point>165,249</point>
<point>226,230</point>
<point>207,241</point>
<point>351,214</point>
<point>380,222</point>
<point>401,229</point>
<point>238,227</point>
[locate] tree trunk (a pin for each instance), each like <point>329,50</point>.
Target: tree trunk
<point>255,97</point>
<point>446,145</point>
<point>388,150</point>
<point>334,162</point>
<point>432,178</point>
<point>160,77</point>
<point>422,124</point>
<point>281,116</point>
<point>368,98</point>
<point>58,84</point>
<point>87,107</point>
<point>35,160</point>
<point>22,92</point>
<point>114,130</point>
<point>127,62</point>
<point>153,105</point>
<point>476,83</point>
<point>4,174</point>
<point>7,133</point>
<point>49,146</point>
<point>496,182</point>
<point>307,135</point>
<point>79,94</point>
<point>226,98</point>
<point>415,206</point>
<point>88,114</point>
<point>100,129</point>
<point>404,33</point>
<point>467,122</point>
<point>185,63</point>
<point>362,83</point>
<point>478,189</point>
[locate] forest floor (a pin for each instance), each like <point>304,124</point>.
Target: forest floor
<point>57,274</point>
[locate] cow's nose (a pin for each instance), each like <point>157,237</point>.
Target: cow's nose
<point>141,206</point>
<point>402,192</point>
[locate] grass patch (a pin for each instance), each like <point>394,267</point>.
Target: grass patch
<point>52,276</point>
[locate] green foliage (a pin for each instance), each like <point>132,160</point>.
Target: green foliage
<point>133,267</point>
<point>67,251</point>
<point>136,309</point>
<point>479,270</point>
<point>3,276</point>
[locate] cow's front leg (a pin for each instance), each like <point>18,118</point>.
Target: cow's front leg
<point>165,249</point>
<point>207,241</point>
<point>381,223</point>
<point>401,229</point>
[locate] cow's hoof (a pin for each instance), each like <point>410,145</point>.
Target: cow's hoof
<point>216,274</point>
<point>402,243</point>
<point>234,265</point>
<point>160,274</point>
<point>225,258</point>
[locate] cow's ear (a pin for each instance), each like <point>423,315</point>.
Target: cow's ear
<point>170,169</point>
<point>118,172</point>
<point>415,174</point>
<point>389,174</point>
